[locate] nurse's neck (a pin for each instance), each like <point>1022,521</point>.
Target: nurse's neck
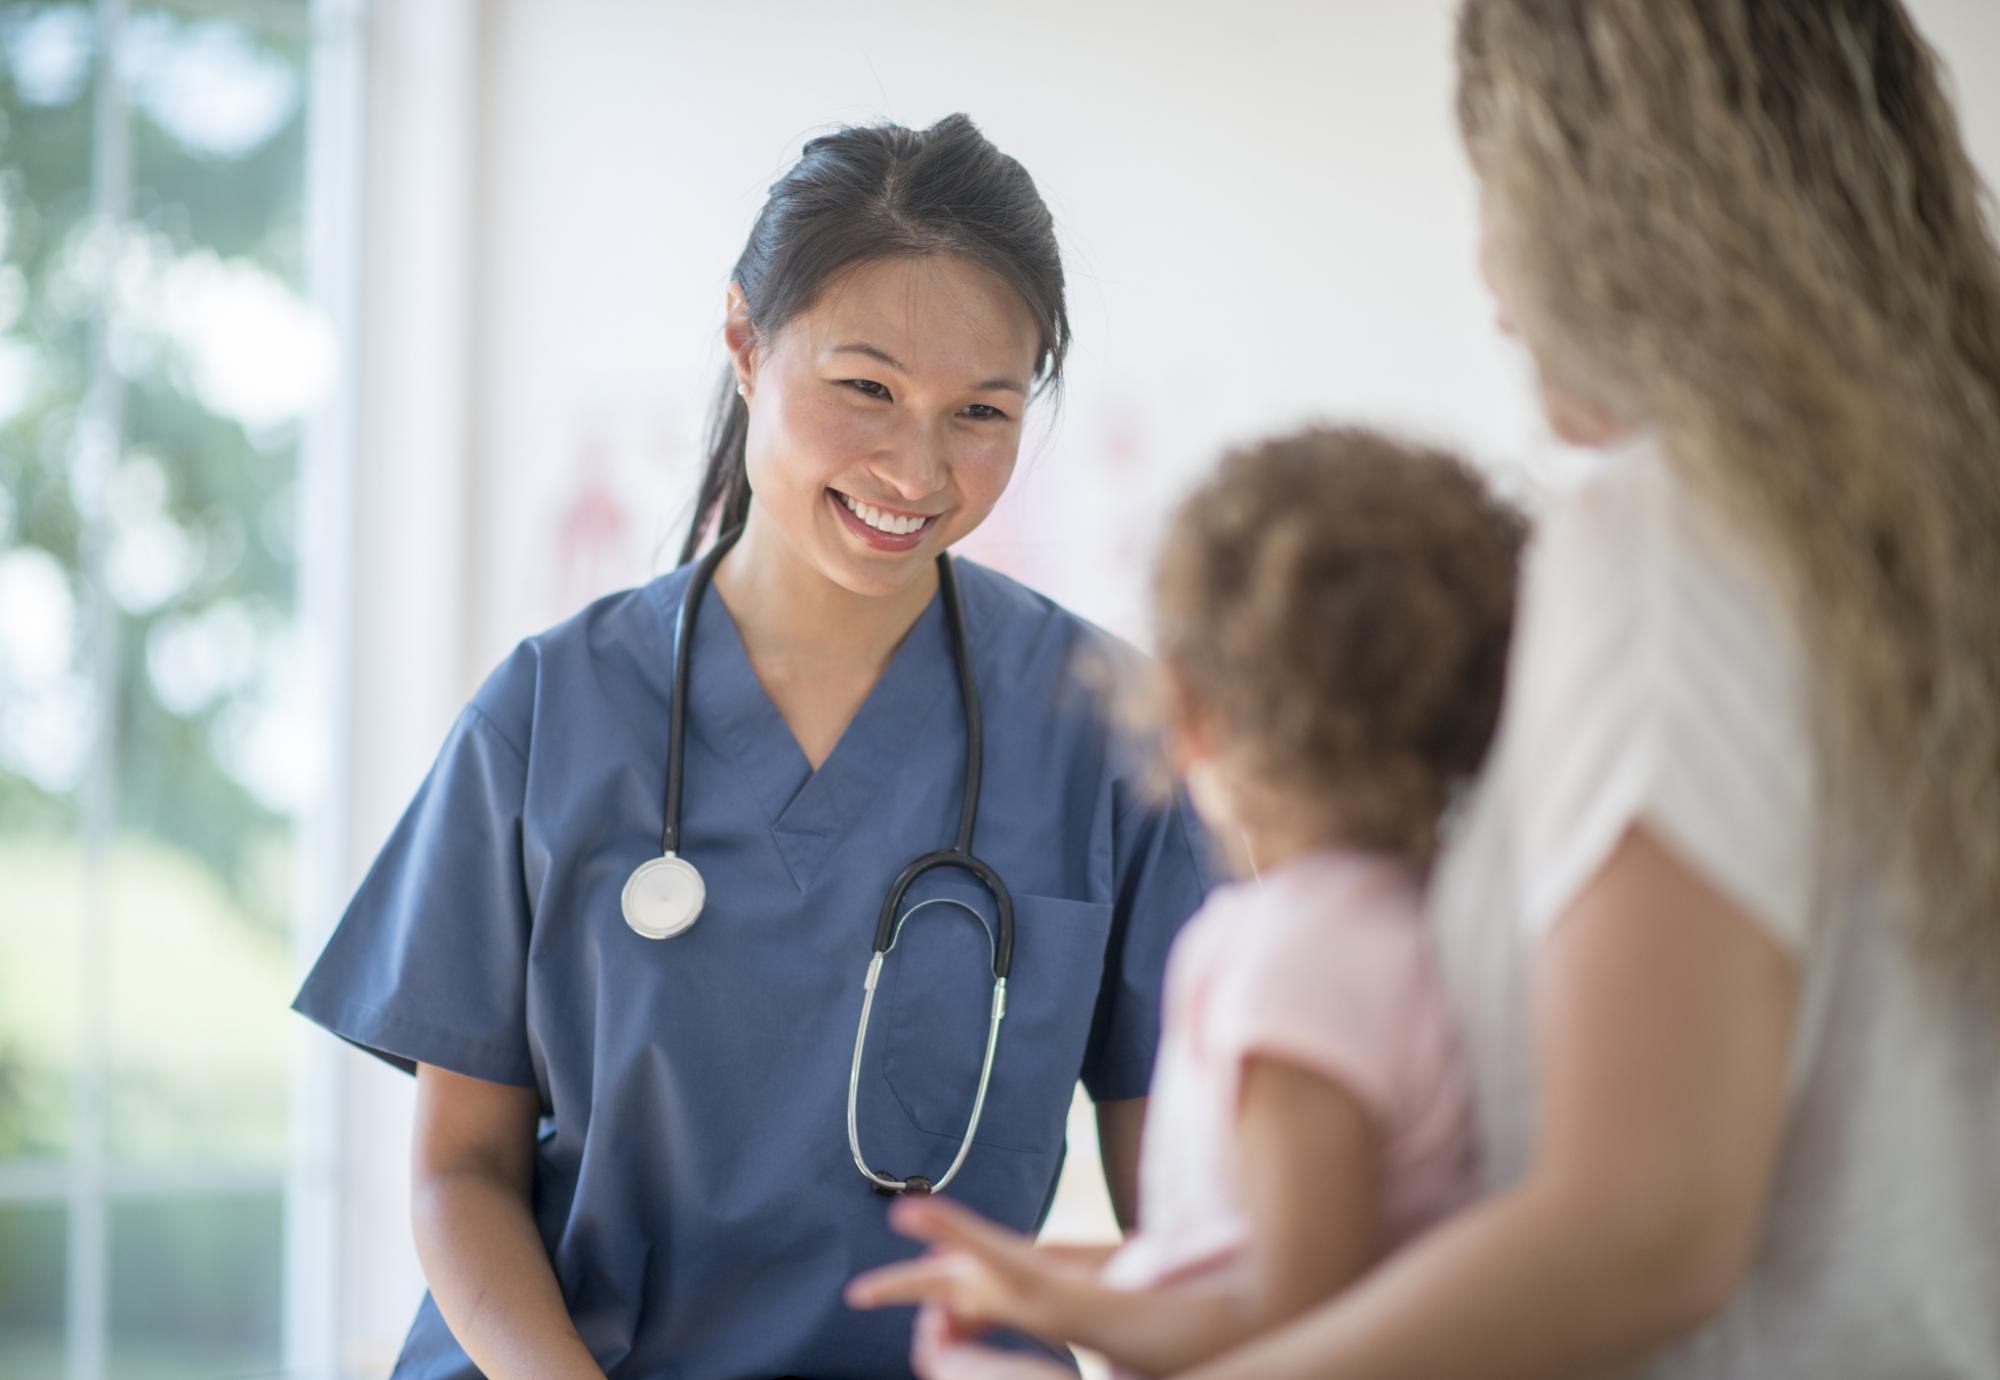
<point>817,647</point>
<point>783,600</point>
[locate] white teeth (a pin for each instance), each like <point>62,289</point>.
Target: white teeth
<point>883,522</point>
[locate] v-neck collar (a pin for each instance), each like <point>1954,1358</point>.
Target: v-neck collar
<point>809,812</point>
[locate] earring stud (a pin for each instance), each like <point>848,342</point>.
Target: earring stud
<point>742,392</point>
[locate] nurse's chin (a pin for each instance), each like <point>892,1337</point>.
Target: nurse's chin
<point>875,577</point>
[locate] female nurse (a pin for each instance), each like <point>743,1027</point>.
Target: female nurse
<point>641,1155</point>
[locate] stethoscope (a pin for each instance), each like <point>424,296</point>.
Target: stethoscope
<point>664,895</point>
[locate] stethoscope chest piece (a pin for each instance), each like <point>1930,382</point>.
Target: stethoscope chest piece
<point>663,897</point>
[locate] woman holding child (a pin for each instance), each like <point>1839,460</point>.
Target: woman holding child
<point>1720,925</point>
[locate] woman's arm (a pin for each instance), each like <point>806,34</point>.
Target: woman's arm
<point>1664,1027</point>
<point>1118,1127</point>
<point>482,1255</point>
<point>1305,1154</point>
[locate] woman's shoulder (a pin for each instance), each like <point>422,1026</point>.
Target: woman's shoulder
<point>612,643</point>
<point>1596,537</point>
<point>1016,612</point>
<point>1054,677</point>
<point>1636,539</point>
<point>1024,641</point>
<point>1636,577</point>
<point>1659,676</point>
<point>1639,577</point>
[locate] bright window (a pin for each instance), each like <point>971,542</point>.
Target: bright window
<point>162,366</point>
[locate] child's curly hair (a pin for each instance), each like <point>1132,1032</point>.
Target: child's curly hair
<point>1338,606</point>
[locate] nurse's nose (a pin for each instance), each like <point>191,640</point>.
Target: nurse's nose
<point>918,464</point>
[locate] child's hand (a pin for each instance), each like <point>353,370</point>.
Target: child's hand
<point>1075,1257</point>
<point>937,1352</point>
<point>983,1276</point>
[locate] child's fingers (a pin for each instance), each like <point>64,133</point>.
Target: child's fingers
<point>910,1281</point>
<point>944,1223</point>
<point>938,1351</point>
<point>937,1354</point>
<point>1072,1256</point>
<point>942,1349</point>
<point>935,1346</point>
<point>933,1333</point>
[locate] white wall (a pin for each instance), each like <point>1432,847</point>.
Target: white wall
<point>1266,217</point>
<point>1262,206</point>
<point>1263,203</point>
<point>409,575</point>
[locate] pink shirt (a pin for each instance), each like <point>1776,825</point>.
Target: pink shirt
<point>1325,964</point>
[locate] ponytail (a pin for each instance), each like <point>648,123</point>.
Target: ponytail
<point>723,501</point>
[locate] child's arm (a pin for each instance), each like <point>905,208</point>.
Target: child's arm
<point>1308,1164</point>
<point>1304,1144</point>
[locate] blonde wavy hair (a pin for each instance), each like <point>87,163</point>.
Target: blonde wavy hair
<point>1753,224</point>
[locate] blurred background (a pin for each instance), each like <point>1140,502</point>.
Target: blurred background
<point>343,344</point>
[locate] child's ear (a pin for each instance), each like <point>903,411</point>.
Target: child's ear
<point>1189,737</point>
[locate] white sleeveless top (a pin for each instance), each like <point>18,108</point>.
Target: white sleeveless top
<point>1658,678</point>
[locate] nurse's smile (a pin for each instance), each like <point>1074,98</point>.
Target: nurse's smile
<point>881,527</point>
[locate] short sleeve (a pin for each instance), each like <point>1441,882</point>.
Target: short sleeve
<point>429,963</point>
<point>1161,866</point>
<point>1339,996</point>
<point>1659,680</point>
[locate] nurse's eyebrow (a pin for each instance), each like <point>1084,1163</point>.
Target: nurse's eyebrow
<point>876,352</point>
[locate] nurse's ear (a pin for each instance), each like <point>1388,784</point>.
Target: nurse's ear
<point>739,333</point>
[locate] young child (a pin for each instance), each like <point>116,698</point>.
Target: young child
<point>1332,612</point>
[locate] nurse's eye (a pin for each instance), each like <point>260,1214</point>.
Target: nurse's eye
<point>983,412</point>
<point>868,387</point>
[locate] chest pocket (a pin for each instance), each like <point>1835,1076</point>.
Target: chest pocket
<point>937,994</point>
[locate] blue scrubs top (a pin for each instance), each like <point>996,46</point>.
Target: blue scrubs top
<point>692,1179</point>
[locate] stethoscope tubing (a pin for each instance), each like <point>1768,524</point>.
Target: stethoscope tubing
<point>889,922</point>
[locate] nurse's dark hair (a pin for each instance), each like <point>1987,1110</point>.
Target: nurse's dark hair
<point>864,194</point>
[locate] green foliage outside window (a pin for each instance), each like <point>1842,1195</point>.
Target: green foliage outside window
<point>219,361</point>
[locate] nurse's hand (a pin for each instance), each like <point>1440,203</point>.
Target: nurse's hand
<point>983,1276</point>
<point>940,1352</point>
